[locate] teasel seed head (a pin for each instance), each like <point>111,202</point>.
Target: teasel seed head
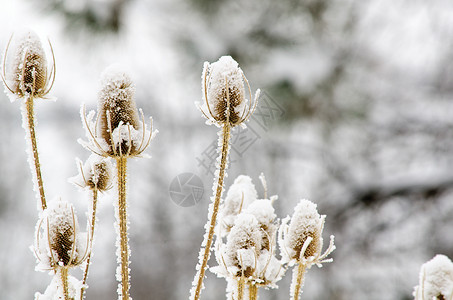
<point>436,279</point>
<point>301,241</point>
<point>306,222</point>
<point>25,72</point>
<point>117,108</point>
<point>58,240</point>
<point>95,174</point>
<point>243,245</point>
<point>224,92</point>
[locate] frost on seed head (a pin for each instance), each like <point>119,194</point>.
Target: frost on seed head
<point>306,222</point>
<point>264,213</point>
<point>58,242</point>
<point>246,237</point>
<point>301,240</point>
<point>240,194</point>
<point>96,173</point>
<point>436,279</point>
<point>55,291</point>
<point>243,245</point>
<point>224,92</point>
<point>118,130</point>
<point>117,106</point>
<point>25,69</point>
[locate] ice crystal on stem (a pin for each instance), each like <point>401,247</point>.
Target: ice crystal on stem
<point>120,132</point>
<point>25,76</point>
<point>225,106</point>
<point>436,280</point>
<point>95,175</point>
<point>301,242</point>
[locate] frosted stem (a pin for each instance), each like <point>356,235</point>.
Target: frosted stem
<point>121,163</point>
<point>253,291</point>
<point>92,224</point>
<point>64,282</point>
<point>29,125</point>
<point>241,283</point>
<point>213,217</point>
<point>299,271</point>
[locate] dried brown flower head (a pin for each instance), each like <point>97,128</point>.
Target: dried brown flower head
<point>119,130</point>
<point>301,240</point>
<point>25,72</point>
<point>58,240</point>
<point>96,173</point>
<point>224,92</point>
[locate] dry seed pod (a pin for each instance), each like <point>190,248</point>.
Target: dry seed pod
<point>301,241</point>
<point>224,92</point>
<point>96,173</point>
<point>436,279</point>
<point>306,222</point>
<point>243,245</point>
<point>25,72</point>
<point>117,131</point>
<point>117,108</point>
<point>58,241</point>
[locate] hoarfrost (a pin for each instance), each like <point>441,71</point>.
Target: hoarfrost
<point>436,279</point>
<point>54,290</point>
<point>240,194</point>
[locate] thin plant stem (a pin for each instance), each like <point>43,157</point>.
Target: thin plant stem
<point>64,282</point>
<point>29,124</point>
<point>253,291</point>
<point>121,163</point>
<point>299,280</point>
<point>225,139</point>
<point>241,284</point>
<point>92,225</point>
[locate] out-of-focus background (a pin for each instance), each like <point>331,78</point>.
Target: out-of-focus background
<point>356,115</point>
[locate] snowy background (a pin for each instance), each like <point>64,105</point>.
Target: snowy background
<point>362,124</point>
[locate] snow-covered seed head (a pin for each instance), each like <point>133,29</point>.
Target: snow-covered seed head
<point>58,242</point>
<point>116,108</point>
<point>240,194</point>
<point>25,71</point>
<point>243,245</point>
<point>264,213</point>
<point>305,223</point>
<point>436,279</point>
<point>224,92</point>
<point>96,173</point>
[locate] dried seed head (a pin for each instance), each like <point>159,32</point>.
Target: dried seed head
<point>224,92</point>
<point>58,242</point>
<point>264,212</point>
<point>305,222</point>
<point>243,245</point>
<point>96,173</point>
<point>117,109</point>
<point>25,71</point>
<point>240,194</point>
<point>436,279</point>
<point>62,229</point>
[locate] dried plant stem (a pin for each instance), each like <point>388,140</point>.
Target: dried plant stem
<point>253,291</point>
<point>64,282</point>
<point>29,124</point>
<point>121,163</point>
<point>92,224</point>
<point>241,284</point>
<point>207,242</point>
<point>299,271</point>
